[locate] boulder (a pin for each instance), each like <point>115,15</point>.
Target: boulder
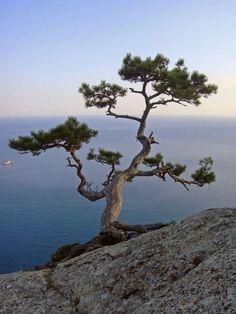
<point>186,267</point>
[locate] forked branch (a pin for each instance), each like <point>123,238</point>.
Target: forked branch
<point>84,187</point>
<point>122,116</point>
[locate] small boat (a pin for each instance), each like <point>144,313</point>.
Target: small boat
<point>8,162</point>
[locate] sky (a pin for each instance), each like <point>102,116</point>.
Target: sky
<point>49,47</point>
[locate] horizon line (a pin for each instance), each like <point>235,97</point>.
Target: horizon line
<point>104,115</point>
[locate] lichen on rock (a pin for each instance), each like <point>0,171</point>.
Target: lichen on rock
<point>186,267</point>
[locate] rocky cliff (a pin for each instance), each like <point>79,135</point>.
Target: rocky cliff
<point>186,267</point>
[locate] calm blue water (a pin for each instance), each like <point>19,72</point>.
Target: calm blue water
<point>41,210</point>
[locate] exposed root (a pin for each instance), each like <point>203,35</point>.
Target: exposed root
<point>114,233</point>
<point>137,228</point>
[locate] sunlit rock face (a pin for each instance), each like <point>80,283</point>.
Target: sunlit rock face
<point>186,267</point>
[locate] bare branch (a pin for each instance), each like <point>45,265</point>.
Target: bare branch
<point>161,172</point>
<point>111,173</point>
<point>88,193</point>
<point>109,177</point>
<point>111,113</point>
<point>150,173</point>
<point>154,96</point>
<point>135,91</point>
<point>70,163</point>
<point>164,102</point>
<point>184,182</point>
<point>152,139</point>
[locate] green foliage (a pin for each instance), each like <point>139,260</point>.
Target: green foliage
<point>172,85</point>
<point>160,86</point>
<point>177,83</point>
<point>153,161</point>
<point>105,156</point>
<point>156,161</point>
<point>176,169</point>
<point>187,86</point>
<point>101,95</point>
<point>70,135</point>
<point>62,252</point>
<point>134,69</point>
<point>204,174</point>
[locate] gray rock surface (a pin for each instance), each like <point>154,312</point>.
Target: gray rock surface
<point>187,267</point>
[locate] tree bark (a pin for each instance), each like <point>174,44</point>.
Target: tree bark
<point>114,200</point>
<point>114,192</point>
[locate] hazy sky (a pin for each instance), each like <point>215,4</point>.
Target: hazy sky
<point>48,47</point>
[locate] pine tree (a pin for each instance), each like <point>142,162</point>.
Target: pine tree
<point>159,86</point>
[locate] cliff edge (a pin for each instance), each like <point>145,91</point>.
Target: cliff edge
<point>186,267</point>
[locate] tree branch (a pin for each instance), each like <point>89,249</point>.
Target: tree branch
<point>109,175</point>
<point>87,193</point>
<point>181,101</point>
<point>154,172</point>
<point>162,171</point>
<point>154,96</point>
<point>183,181</point>
<point>135,91</point>
<point>164,102</point>
<point>111,113</point>
<point>152,139</point>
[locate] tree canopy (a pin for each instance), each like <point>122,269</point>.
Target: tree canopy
<point>158,85</point>
<point>69,135</point>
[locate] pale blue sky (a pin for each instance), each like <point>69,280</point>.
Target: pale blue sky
<point>48,47</point>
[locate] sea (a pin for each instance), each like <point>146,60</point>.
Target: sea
<point>41,210</point>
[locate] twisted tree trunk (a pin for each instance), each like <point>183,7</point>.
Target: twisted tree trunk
<point>114,200</point>
<point>113,231</point>
<point>114,191</point>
